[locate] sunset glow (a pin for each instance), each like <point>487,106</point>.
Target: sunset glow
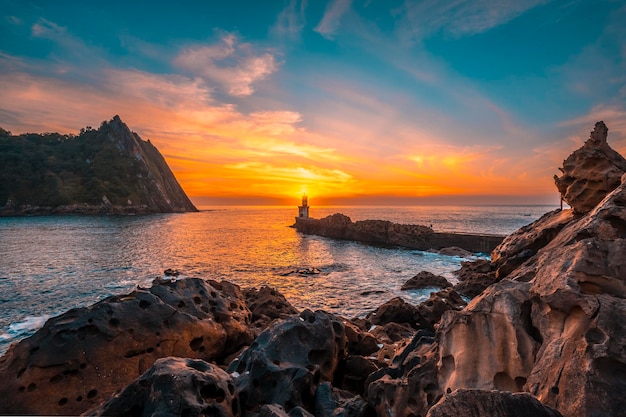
<point>257,104</point>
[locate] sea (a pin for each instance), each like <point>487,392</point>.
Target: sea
<point>49,264</point>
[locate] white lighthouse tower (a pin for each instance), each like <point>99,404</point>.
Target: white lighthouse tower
<point>303,210</point>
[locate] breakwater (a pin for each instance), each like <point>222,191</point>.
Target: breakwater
<point>383,232</point>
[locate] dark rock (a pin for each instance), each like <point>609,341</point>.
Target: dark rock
<point>333,402</point>
<point>477,403</point>
<point>409,387</point>
<point>391,332</point>
<point>360,342</point>
<point>438,303</point>
<point>176,387</point>
<point>356,370</point>
<point>171,272</point>
<point>266,305</point>
<point>92,352</point>
<point>287,361</point>
<point>591,172</point>
<point>396,311</point>
<point>455,251</point>
<point>475,277</point>
<point>425,279</point>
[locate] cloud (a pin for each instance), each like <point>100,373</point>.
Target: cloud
<point>229,64</point>
<point>68,48</point>
<point>329,24</point>
<point>291,20</point>
<point>422,18</point>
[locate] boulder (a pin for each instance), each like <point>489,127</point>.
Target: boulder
<point>425,279</point>
<point>455,251</point>
<point>478,403</point>
<point>287,361</point>
<point>80,358</point>
<point>396,311</point>
<point>176,387</point>
<point>591,172</point>
<point>266,305</point>
<point>474,277</point>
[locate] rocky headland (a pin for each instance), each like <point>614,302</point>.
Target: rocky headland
<point>109,170</point>
<point>383,232</point>
<point>544,335</point>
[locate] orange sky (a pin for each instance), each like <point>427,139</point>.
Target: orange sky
<point>432,105</point>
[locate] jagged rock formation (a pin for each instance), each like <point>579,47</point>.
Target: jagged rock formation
<point>82,357</point>
<point>383,232</point>
<point>551,322</point>
<point>591,172</point>
<point>108,170</point>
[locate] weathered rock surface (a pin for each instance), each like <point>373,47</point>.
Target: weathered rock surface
<point>333,402</point>
<point>82,357</point>
<point>425,279</point>
<point>477,403</point>
<point>591,172</point>
<point>266,305</point>
<point>176,387</point>
<point>383,232</point>
<point>437,304</point>
<point>552,322</point>
<point>287,361</point>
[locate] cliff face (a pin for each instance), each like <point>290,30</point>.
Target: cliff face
<point>108,170</point>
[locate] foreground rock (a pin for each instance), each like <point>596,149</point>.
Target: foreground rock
<point>286,362</point>
<point>591,172</point>
<point>476,403</point>
<point>266,305</point>
<point>382,232</point>
<point>82,357</point>
<point>176,387</point>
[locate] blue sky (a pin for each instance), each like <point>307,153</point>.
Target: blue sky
<point>375,100</point>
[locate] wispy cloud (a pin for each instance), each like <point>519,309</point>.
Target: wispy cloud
<point>421,18</point>
<point>230,64</point>
<point>329,24</point>
<point>291,20</point>
<point>69,48</point>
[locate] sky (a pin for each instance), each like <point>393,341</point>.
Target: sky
<point>378,102</point>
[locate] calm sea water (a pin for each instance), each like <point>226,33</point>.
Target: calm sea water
<point>51,264</point>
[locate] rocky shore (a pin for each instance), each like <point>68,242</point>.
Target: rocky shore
<point>544,335</point>
<point>383,232</point>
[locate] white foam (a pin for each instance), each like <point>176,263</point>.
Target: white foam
<point>29,323</point>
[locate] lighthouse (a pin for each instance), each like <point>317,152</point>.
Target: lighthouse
<point>303,210</point>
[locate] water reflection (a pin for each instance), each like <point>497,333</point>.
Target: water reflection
<point>51,264</point>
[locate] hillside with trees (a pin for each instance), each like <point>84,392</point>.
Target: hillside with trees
<point>104,170</point>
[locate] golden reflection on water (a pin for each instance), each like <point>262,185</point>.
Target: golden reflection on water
<point>51,264</point>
